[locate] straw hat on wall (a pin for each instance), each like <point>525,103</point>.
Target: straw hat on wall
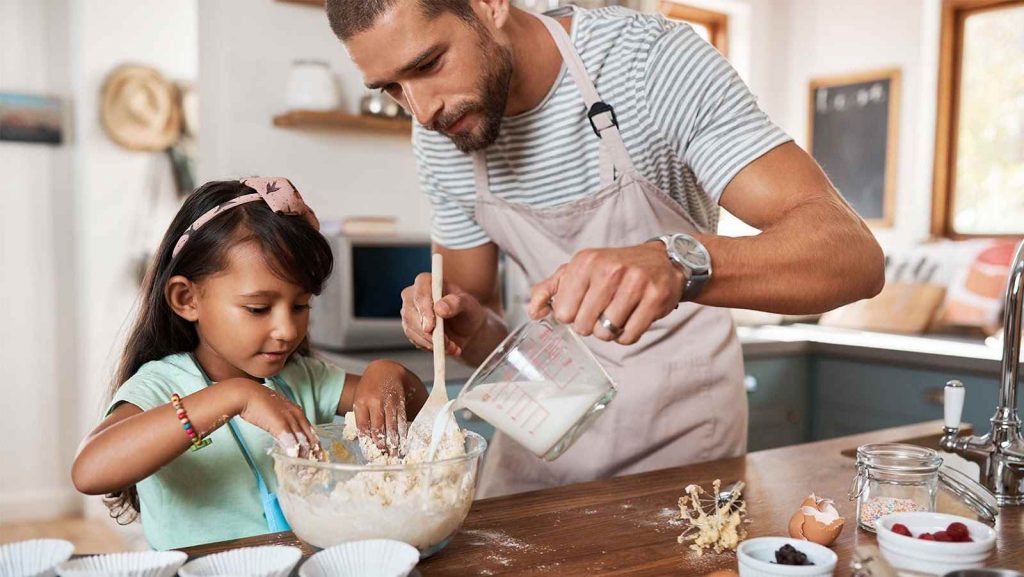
<point>140,109</point>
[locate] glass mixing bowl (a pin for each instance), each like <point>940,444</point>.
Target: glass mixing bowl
<point>422,504</point>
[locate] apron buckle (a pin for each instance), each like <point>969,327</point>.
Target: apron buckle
<point>597,109</point>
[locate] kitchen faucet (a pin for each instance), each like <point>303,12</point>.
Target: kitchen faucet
<point>1000,452</point>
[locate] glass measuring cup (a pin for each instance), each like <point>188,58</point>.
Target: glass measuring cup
<point>541,386</point>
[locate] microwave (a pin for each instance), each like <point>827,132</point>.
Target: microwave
<point>360,306</point>
<point>361,303</point>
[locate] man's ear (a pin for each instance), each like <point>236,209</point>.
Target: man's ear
<point>182,295</point>
<point>495,11</point>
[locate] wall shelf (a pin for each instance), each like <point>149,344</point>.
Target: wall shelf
<point>337,120</point>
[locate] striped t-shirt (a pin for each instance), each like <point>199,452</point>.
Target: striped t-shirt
<point>688,121</point>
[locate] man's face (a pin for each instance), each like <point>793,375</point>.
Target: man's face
<point>452,75</point>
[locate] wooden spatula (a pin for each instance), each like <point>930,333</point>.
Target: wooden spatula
<point>438,394</point>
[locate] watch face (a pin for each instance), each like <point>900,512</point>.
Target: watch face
<point>693,254</point>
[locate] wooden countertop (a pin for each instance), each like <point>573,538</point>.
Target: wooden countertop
<point>625,526</point>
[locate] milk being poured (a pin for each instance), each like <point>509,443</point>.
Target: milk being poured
<point>536,414</point>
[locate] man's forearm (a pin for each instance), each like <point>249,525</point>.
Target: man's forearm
<point>818,257</point>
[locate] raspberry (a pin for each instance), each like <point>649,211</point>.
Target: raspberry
<point>926,537</point>
<point>959,532</point>
<point>901,529</point>
<point>942,536</point>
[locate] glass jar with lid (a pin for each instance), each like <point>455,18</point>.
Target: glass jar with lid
<point>896,477</point>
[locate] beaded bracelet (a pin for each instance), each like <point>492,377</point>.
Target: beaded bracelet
<point>198,441</point>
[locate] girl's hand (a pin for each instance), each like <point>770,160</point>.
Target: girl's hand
<point>268,410</point>
<point>386,395</point>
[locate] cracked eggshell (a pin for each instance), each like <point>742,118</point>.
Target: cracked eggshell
<point>816,521</point>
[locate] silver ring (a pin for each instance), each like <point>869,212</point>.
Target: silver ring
<point>609,325</point>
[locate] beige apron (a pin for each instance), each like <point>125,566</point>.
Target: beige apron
<point>680,394</point>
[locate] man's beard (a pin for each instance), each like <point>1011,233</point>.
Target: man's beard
<point>493,89</point>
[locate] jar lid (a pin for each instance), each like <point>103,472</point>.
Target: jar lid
<point>973,493</point>
<point>898,457</point>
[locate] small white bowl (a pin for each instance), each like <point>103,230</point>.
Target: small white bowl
<point>757,558</point>
<point>139,564</point>
<point>34,558</point>
<point>371,558</point>
<point>935,557</point>
<point>268,561</point>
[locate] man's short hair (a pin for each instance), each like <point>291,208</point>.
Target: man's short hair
<point>350,17</point>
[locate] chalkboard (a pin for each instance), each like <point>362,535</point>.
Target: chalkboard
<point>852,134</point>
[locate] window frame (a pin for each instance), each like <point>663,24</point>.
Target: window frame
<point>717,23</point>
<point>951,46</point>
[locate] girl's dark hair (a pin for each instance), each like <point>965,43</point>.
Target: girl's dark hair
<point>293,249</point>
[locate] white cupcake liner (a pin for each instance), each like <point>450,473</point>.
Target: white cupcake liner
<point>34,558</point>
<point>371,558</point>
<point>269,561</point>
<point>140,564</point>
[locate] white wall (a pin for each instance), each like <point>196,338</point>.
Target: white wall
<point>243,73</point>
<point>113,185</point>
<point>36,260</point>
<point>68,241</point>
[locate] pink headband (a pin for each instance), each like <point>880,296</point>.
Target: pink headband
<point>279,194</point>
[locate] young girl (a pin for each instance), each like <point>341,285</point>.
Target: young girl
<point>221,333</point>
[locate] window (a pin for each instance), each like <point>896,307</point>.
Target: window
<point>710,25</point>
<point>979,153</point>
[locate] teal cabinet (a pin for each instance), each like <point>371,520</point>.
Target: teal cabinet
<point>856,396</point>
<point>778,393</point>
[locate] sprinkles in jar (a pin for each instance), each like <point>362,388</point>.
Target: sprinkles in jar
<point>894,477</point>
<point>877,507</point>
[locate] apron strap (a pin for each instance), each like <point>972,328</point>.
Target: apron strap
<point>605,167</point>
<point>614,158</point>
<point>601,115</point>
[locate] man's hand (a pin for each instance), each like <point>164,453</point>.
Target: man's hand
<point>631,286</point>
<point>463,315</point>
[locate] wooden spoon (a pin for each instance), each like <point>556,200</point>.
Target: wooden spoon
<point>438,393</point>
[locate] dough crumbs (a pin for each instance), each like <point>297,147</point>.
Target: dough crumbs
<point>421,506</point>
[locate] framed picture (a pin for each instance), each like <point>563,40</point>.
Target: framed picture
<point>852,132</point>
<point>30,118</point>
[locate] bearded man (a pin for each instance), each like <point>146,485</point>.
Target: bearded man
<point>595,148</point>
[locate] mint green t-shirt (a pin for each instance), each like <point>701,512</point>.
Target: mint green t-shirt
<point>211,495</point>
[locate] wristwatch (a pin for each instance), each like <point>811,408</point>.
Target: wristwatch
<point>690,255</point>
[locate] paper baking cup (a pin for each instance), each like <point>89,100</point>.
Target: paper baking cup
<point>141,564</point>
<point>269,561</point>
<point>35,558</point>
<point>372,558</point>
